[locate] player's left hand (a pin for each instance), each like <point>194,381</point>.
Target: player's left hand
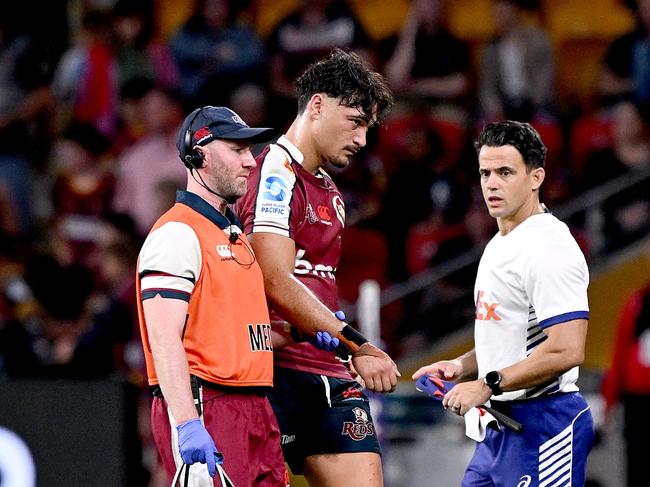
<point>466,395</point>
<point>376,368</point>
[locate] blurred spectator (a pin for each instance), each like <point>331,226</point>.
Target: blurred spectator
<point>86,78</point>
<point>9,221</point>
<point>117,281</point>
<point>362,185</point>
<point>628,381</point>
<point>250,101</point>
<point>445,306</point>
<point>517,67</point>
<point>151,160</point>
<point>26,115</point>
<point>626,214</point>
<point>425,182</point>
<point>139,54</point>
<point>130,123</point>
<point>312,31</point>
<point>215,52</point>
<point>66,333</point>
<point>428,61</point>
<point>626,69</point>
<point>82,192</point>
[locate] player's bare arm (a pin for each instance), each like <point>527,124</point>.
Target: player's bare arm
<point>165,319</point>
<point>294,301</point>
<point>563,349</point>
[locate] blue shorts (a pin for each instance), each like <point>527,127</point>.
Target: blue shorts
<point>319,414</point>
<point>551,452</point>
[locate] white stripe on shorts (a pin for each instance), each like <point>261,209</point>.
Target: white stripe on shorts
<point>556,458</point>
<point>328,393</point>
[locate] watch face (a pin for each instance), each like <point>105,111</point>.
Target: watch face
<point>493,378</point>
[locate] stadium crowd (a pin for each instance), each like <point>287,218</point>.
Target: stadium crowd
<point>92,94</point>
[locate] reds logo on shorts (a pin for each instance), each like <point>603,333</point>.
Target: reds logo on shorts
<point>360,428</point>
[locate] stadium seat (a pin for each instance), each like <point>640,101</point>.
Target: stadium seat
<point>589,134</point>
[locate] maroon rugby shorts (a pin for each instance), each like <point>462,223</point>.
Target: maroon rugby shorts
<point>244,429</point>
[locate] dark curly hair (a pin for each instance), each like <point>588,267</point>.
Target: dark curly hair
<point>522,136</point>
<point>344,75</point>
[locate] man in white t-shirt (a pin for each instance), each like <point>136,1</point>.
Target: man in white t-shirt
<point>530,329</point>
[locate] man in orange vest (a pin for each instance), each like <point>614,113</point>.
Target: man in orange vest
<point>203,316</point>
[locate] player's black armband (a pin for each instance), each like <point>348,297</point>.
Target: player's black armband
<point>353,335</point>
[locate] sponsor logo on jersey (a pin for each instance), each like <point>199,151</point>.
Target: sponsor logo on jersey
<point>274,209</point>
<point>276,188</point>
<point>225,252</point>
<point>324,214</point>
<point>360,428</point>
<point>311,214</point>
<point>260,337</point>
<point>287,165</point>
<point>303,266</point>
<point>486,311</point>
<point>340,209</point>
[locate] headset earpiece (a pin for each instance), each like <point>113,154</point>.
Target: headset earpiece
<point>192,159</point>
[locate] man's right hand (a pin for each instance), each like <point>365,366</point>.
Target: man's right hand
<point>376,368</point>
<point>444,369</point>
<point>196,445</point>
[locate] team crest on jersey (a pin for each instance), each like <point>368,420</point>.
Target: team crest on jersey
<point>360,428</point>
<point>340,209</point>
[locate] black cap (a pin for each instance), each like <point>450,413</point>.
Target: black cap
<point>209,123</point>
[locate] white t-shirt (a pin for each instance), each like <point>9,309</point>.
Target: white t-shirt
<point>534,277</point>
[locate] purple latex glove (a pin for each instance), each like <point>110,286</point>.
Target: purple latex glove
<point>196,445</point>
<point>323,340</point>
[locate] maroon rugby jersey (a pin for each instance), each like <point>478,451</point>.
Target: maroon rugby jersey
<point>285,199</point>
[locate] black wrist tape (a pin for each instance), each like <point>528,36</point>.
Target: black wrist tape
<point>353,335</point>
<point>342,351</point>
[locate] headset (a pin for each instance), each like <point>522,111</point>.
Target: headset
<point>192,159</point>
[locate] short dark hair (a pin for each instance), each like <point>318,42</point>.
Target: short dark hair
<point>522,136</point>
<point>344,75</point>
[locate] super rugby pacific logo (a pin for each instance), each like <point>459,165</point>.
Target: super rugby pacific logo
<point>360,428</point>
<point>276,188</point>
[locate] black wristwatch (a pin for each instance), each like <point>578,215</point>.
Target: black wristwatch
<point>493,381</point>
